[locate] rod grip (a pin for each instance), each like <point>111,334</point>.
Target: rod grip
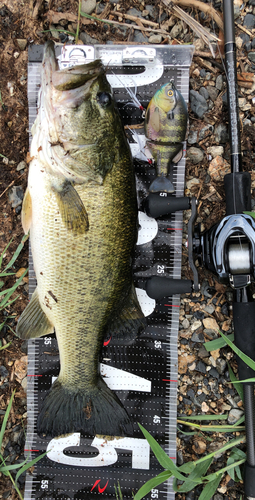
<point>244,328</point>
<point>238,192</point>
<point>156,205</point>
<point>157,288</point>
<point>249,480</point>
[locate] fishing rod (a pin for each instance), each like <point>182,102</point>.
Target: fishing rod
<point>227,249</point>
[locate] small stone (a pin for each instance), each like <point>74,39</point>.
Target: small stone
<point>16,195</point>
<point>213,93</point>
<point>200,367</point>
<point>209,308</point>
<point>219,82</point>
<point>218,168</point>
<point>134,12</point>
<point>151,9</point>
<point>145,13</point>
<point>139,37</point>
<point>24,383</point>
<point>221,134</point>
<point>180,459</point>
<point>196,155</point>
<point>5,160</point>
<point>192,182</point>
<point>87,39</point>
<point>21,166</point>
<point>185,323</point>
<point>176,30</point>
<point>249,21</point>
<point>183,362</point>
<point>215,354</point>
<point>3,372</point>
<point>234,416</point>
<point>88,6</point>
<point>203,91</point>
<point>199,446</point>
<point>211,324</point>
<point>205,132</point>
<point>155,39</point>
<point>215,151</point>
<point>239,42</point>
<point>192,137</point>
<point>16,55</point>
<point>198,337</point>
<point>20,368</point>
<point>20,272</point>
<point>203,353</point>
<point>195,325</point>
<point>213,373</point>
<point>22,43</point>
<point>198,103</point>
<point>204,407</point>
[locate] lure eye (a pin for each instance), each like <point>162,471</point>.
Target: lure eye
<point>170,93</point>
<point>104,99</point>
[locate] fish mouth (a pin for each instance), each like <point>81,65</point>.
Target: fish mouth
<point>73,77</point>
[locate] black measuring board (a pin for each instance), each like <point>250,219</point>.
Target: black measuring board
<point>143,374</point>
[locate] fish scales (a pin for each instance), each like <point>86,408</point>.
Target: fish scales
<point>82,215</point>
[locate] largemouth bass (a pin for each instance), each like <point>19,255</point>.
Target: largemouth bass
<point>165,128</point>
<point>80,207</point>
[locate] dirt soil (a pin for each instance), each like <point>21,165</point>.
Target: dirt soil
<point>29,22</point>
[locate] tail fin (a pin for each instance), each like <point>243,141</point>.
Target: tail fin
<point>161,184</point>
<point>96,410</point>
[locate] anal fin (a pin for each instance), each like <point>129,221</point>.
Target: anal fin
<point>33,322</point>
<point>128,319</point>
<point>72,210</point>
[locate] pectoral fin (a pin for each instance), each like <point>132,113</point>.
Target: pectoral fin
<point>33,322</point>
<point>128,320</point>
<point>26,214</point>
<point>72,210</point>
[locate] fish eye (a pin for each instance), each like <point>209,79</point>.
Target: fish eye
<point>104,98</point>
<point>170,93</point>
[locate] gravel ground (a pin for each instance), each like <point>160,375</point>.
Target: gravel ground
<point>204,386</point>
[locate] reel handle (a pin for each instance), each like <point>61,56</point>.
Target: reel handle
<point>157,205</point>
<point>157,288</point>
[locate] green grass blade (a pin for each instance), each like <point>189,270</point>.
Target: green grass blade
<point>78,23</point>
<point>28,465</point>
<point>210,489</point>
<point>5,468</point>
<point>204,417</point>
<point>10,291</point>
<point>233,379</point>
<point>94,18</point>
<point>17,252</point>
<point>5,346</point>
<point>246,359</point>
<point>7,246</point>
<point>211,477</point>
<point>6,416</point>
<point>151,484</point>
<point>195,476</point>
<point>212,345</point>
<point>164,460</point>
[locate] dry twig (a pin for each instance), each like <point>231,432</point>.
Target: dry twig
<point>135,18</point>
<point>206,8</point>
